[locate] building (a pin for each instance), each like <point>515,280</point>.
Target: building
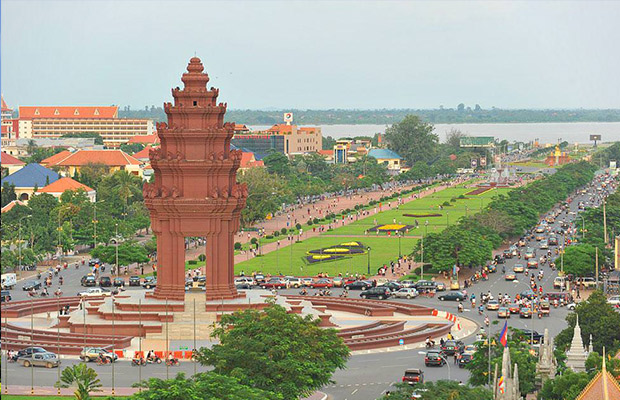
<point>602,387</point>
<point>21,147</point>
<point>9,128</point>
<point>390,159</point>
<point>557,157</point>
<point>287,139</point>
<point>60,186</point>
<point>30,179</point>
<point>577,354</point>
<point>68,163</point>
<point>143,155</point>
<point>546,365</point>
<point>248,161</point>
<point>12,204</point>
<point>10,164</point>
<point>54,122</point>
<point>347,150</point>
<point>145,140</point>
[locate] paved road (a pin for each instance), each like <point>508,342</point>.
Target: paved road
<point>367,376</point>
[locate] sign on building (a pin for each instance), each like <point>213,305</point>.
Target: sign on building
<point>288,118</point>
<point>474,163</point>
<point>483,161</point>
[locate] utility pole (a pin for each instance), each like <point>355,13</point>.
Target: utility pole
<point>422,260</point>
<point>604,221</point>
<point>596,261</point>
<point>116,247</point>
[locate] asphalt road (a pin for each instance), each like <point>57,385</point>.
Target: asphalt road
<point>367,376</point>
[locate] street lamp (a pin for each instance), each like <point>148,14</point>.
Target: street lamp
<point>583,226</point>
<point>116,247</point>
<point>426,228</point>
<point>95,222</point>
<point>368,249</point>
<point>400,254</point>
<point>19,242</point>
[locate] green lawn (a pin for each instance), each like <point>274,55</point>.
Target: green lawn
<point>15,397</point>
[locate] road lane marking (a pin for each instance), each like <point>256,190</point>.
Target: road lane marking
<point>353,392</point>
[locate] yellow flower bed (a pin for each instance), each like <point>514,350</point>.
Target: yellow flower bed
<point>336,250</point>
<point>391,227</point>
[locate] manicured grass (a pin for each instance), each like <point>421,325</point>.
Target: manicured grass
<point>94,395</point>
<point>383,249</point>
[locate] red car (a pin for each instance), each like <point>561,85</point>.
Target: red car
<point>322,283</point>
<point>532,264</point>
<point>274,283</point>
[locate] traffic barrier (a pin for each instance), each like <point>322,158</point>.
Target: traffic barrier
<point>188,354</point>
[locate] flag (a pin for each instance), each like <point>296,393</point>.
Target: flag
<point>501,384</point>
<point>503,336</point>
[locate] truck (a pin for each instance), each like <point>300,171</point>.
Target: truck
<point>9,280</point>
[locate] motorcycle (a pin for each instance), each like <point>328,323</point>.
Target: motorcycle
<point>136,362</point>
<point>154,360</point>
<point>103,361</point>
<point>172,362</point>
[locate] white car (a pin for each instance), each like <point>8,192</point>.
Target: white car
<point>405,293</point>
<point>292,281</point>
<point>92,292</point>
<point>245,279</point>
<point>407,284</point>
<point>614,301</point>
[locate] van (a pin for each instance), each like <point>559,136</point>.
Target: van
<point>559,295</point>
<point>9,281</point>
<point>559,282</point>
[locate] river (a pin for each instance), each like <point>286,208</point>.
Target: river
<point>573,132</point>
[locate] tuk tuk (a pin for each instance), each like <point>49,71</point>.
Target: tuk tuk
<point>544,308</point>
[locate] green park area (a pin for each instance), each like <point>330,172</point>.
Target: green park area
<point>449,205</point>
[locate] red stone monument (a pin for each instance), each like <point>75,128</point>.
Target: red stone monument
<point>195,192</point>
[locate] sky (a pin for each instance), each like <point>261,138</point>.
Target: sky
<point>314,54</point>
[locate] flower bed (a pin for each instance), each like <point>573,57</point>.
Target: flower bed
<point>391,228</point>
<point>423,215</point>
<point>317,258</point>
<point>478,191</point>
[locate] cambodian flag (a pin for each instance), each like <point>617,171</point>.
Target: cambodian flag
<point>503,336</point>
<point>501,384</point>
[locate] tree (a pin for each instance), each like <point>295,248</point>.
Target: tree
<point>83,378</point>
<point>456,246</point>
<point>596,318</point>
<point>564,387</point>
<point>580,260</point>
<point>8,193</point>
<point>440,390</point>
<point>92,173</point>
<point>275,351</point>
<point>277,163</point>
<point>453,140</point>
<point>461,107</point>
<point>94,135</point>
<point>128,253</point>
<point>202,386</point>
<point>413,139</point>
<point>328,142</point>
<point>131,148</point>
<point>266,192</point>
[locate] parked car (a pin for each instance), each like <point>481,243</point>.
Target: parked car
<point>149,282</point>
<point>425,285</point>
<point>244,281</point>
<point>525,312</point>
<point>503,312</point>
<point>272,283</point>
<point>105,281</point>
<point>307,281</point>
<point>259,278</point>
<point>518,268</point>
<point>453,296</point>
<point>407,284</point>
<point>559,282</point>
<point>393,286</point>
<point>30,350</point>
<point>493,305</point>
<point>93,292</point>
<point>5,296</point>
<point>88,280</point>
<point>358,285</point>
<point>118,282</point>
<point>292,282</point>
<point>338,281</point>
<point>46,359</point>
<point>440,286</point>
<point>413,375</point>
<point>92,353</point>
<point>378,292</point>
<point>134,280</point>
<point>465,359</point>
<point>588,282</point>
<point>36,285</point>
<point>434,357</point>
<point>405,293</point>
<point>452,346</point>
<point>614,301</point>
<point>321,283</point>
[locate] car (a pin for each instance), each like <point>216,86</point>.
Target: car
<point>46,359</point>
<point>36,285</point>
<point>31,350</point>
<point>134,280</point>
<point>528,294</point>
<point>426,285</point>
<point>532,264</point>
<point>514,250</point>
<point>499,259</point>
<point>243,285</point>
<point>544,244</point>
<point>88,280</point>
<point>559,282</point>
<point>405,293</point>
<point>105,281</point>
<point>588,282</point>
<point>518,268</point>
<point>358,285</point>
<point>307,281</point>
<point>274,283</point>
<point>5,296</point>
<point>413,375</point>
<point>571,306</point>
<point>514,308</point>
<point>450,347</point>
<point>118,282</point>
<point>92,353</point>
<point>454,285</point>
<point>293,282</point>
<point>94,261</point>
<point>434,357</point>
<point>540,238</point>
<point>246,281</point>
<point>493,305</point>
<point>440,286</point>
<point>552,241</point>
<point>149,282</point>
<point>379,292</point>
<point>532,337</point>
<point>453,296</point>
<point>521,243</point>
<point>540,228</point>
<point>322,283</point>
<point>93,292</point>
<point>510,276</point>
<point>614,301</point>
<point>470,349</point>
<point>338,281</point>
<point>393,286</point>
<point>507,253</point>
<point>260,278</point>
<point>530,252</point>
<point>465,359</point>
<point>525,312</point>
<point>503,312</point>
<point>407,284</point>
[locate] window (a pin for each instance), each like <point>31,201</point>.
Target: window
<point>195,103</point>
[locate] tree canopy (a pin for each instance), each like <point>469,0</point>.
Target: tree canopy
<point>413,139</point>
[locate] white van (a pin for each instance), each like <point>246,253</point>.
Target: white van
<point>559,282</point>
<point>9,280</point>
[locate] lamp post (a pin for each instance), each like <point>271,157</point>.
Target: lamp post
<point>95,222</point>
<point>19,243</point>
<point>426,228</point>
<point>400,254</point>
<point>368,249</point>
<point>116,247</point>
<point>422,261</point>
<point>583,226</point>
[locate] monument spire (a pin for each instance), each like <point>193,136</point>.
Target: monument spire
<point>576,355</point>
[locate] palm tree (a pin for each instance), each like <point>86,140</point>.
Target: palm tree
<point>83,378</point>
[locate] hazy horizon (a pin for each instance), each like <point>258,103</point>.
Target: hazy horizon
<point>321,55</point>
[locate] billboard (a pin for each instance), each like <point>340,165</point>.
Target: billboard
<point>595,137</point>
<point>477,141</point>
<point>288,117</point>
<point>483,161</point>
<point>474,163</point>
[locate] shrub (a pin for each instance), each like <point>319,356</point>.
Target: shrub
<point>192,262</point>
<point>309,222</point>
<point>237,246</point>
<point>254,240</point>
<point>283,231</point>
<point>269,237</point>
<point>298,226</point>
<point>462,197</point>
<point>316,221</point>
<point>202,257</point>
<point>276,233</point>
<point>446,204</point>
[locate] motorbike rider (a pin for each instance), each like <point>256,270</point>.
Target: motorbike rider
<point>150,356</point>
<point>429,342</point>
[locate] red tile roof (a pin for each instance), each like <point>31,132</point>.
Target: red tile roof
<point>33,112</point>
<point>56,158</point>
<point>12,204</point>
<point>248,161</point>
<point>145,139</point>
<point>326,152</point>
<point>64,184</point>
<point>4,106</point>
<point>111,158</point>
<point>241,127</point>
<point>596,388</point>
<point>143,154</point>
<point>281,128</point>
<point>7,159</point>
